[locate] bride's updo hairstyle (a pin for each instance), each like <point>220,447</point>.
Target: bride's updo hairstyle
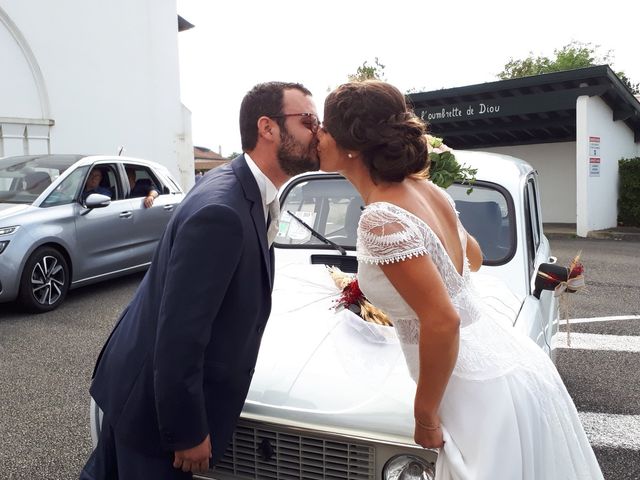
<point>372,117</point>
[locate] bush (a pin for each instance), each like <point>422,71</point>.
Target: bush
<point>629,192</point>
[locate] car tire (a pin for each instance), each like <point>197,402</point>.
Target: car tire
<point>45,280</point>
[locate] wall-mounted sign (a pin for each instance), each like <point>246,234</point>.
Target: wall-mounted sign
<point>594,166</point>
<point>502,106</point>
<point>594,146</point>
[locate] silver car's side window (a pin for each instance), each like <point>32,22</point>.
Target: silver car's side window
<point>141,180</point>
<point>533,206</point>
<point>68,189</point>
<point>486,215</point>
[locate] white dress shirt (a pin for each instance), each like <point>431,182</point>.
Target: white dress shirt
<point>268,190</point>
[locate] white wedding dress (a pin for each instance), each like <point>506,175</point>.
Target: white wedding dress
<point>506,414</point>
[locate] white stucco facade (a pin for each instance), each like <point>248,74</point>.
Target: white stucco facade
<point>91,77</point>
<point>577,186</point>
<point>556,166</point>
<point>597,187</point>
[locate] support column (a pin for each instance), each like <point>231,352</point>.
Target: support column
<point>582,167</point>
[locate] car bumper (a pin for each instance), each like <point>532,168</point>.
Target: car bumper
<point>11,261</point>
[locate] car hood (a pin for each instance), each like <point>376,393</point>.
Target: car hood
<point>9,209</point>
<point>331,369</point>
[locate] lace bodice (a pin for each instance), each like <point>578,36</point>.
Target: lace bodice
<point>388,233</point>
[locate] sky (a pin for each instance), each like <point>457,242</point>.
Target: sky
<point>424,46</point>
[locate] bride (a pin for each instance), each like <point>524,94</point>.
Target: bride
<point>486,395</point>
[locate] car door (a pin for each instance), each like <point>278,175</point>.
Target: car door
<point>542,311</point>
<point>104,235</point>
<point>149,223</point>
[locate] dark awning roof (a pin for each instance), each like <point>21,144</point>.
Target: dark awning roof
<point>536,109</point>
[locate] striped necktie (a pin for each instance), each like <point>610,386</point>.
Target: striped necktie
<point>273,220</point>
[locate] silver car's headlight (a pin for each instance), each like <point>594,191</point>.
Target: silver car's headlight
<point>408,467</point>
<point>8,230</point>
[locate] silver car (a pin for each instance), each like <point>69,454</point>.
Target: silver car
<point>72,220</point>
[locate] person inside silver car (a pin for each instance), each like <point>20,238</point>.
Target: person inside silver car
<point>93,185</point>
<point>141,188</point>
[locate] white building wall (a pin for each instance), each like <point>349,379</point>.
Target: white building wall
<point>597,193</point>
<point>555,163</point>
<point>109,78</point>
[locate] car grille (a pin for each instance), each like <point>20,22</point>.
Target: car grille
<point>271,453</point>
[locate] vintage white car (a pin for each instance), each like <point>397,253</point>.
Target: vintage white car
<point>331,397</point>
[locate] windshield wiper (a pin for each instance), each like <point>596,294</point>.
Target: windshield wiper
<point>319,236</point>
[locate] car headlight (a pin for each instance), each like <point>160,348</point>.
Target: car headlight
<point>3,245</point>
<point>8,230</point>
<point>408,467</point>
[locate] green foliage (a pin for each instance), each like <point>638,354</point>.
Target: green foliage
<point>629,192</point>
<point>445,169</point>
<point>571,56</point>
<point>368,72</point>
<point>233,155</point>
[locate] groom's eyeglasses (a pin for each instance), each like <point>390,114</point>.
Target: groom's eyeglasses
<point>309,120</point>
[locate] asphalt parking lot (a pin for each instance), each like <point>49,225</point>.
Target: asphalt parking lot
<point>46,363</point>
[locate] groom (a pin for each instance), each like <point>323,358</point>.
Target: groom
<point>173,376</point>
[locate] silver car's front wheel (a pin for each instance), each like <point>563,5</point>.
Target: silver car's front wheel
<point>45,280</point>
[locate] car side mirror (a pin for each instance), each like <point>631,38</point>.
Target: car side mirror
<point>165,190</point>
<point>97,200</point>
<point>548,277</point>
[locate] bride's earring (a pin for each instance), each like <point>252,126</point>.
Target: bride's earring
<point>349,155</point>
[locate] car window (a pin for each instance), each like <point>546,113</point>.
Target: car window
<point>24,179</point>
<point>330,205</point>
<point>487,213</point>
<point>173,186</point>
<point>144,180</point>
<point>530,230</point>
<point>533,207</point>
<point>109,183</point>
<point>67,191</point>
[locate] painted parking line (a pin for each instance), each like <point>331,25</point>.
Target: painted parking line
<point>594,341</point>
<point>608,430</point>
<point>601,319</point>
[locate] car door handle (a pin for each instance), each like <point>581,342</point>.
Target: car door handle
<point>126,214</point>
<point>168,208</point>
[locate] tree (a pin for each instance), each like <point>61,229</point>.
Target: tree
<point>368,72</point>
<point>571,56</point>
<point>233,155</point>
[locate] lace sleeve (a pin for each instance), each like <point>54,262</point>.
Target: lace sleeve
<point>387,235</point>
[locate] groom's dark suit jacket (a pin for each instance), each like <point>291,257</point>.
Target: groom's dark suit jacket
<point>178,364</point>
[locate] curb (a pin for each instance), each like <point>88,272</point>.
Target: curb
<point>597,235</point>
<point>615,235</point>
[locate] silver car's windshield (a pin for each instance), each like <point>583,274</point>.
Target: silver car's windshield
<point>332,207</point>
<point>23,179</point>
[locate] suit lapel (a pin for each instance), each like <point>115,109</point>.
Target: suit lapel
<point>252,193</point>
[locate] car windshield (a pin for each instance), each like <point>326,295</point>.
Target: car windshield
<point>332,207</point>
<point>23,179</point>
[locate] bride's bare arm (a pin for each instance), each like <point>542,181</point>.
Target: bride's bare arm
<point>419,283</point>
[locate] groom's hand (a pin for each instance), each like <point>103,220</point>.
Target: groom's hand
<point>194,459</point>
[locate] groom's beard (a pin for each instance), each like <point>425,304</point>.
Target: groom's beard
<point>294,157</point>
